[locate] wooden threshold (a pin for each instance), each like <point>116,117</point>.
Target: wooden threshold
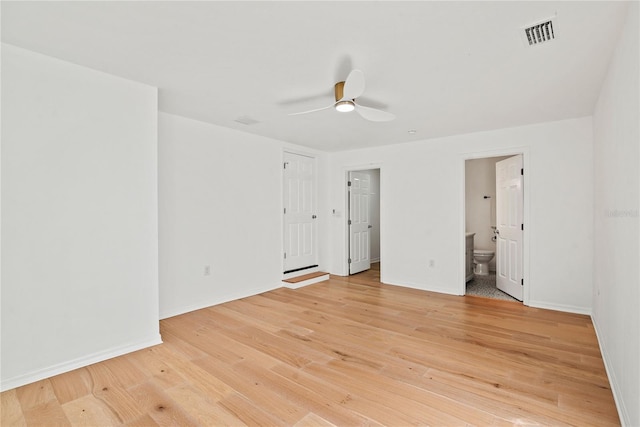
<point>302,278</point>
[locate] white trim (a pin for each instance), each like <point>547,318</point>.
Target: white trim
<point>560,307</point>
<point>526,155</point>
<point>420,286</point>
<point>215,301</point>
<point>623,413</point>
<point>80,362</point>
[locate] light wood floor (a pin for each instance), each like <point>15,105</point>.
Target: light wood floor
<point>345,352</point>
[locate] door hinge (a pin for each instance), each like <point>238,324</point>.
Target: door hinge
<point>348,183</point>
<point>521,226</point>
<point>285,165</point>
<point>285,210</point>
<point>522,171</point>
<point>349,222</point>
<point>522,282</point>
<point>285,255</point>
<point>349,260</point>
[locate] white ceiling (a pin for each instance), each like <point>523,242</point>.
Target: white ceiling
<point>442,68</point>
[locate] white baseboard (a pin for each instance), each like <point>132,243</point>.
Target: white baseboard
<point>80,362</point>
<point>165,314</point>
<point>560,307</point>
<point>625,418</point>
<point>421,286</point>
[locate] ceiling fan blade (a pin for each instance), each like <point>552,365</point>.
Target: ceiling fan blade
<point>310,111</point>
<point>374,114</point>
<point>354,85</point>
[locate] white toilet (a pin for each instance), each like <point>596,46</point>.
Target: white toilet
<point>482,257</point>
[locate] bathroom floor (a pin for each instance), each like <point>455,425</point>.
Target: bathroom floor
<point>485,286</point>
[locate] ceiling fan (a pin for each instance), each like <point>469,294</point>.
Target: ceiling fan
<point>346,93</point>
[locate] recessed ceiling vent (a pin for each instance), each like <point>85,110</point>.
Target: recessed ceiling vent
<point>539,33</point>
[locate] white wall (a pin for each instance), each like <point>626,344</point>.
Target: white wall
<point>220,205</point>
<point>422,206</point>
<point>616,298</point>
<point>79,216</point>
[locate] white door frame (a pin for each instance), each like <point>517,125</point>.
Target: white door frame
<point>345,223</point>
<point>526,215</point>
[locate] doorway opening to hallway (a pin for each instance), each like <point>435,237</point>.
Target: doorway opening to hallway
<point>363,219</point>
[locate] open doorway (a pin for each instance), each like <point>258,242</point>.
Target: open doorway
<point>363,219</point>
<point>494,227</point>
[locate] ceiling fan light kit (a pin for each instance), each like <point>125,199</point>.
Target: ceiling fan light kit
<point>346,93</point>
<point>345,106</point>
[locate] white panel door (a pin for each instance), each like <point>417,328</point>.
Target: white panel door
<point>509,218</point>
<point>359,222</point>
<point>299,213</point>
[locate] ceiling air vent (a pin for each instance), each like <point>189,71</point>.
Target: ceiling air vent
<point>539,33</point>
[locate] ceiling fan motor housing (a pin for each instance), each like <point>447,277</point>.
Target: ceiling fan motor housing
<point>339,90</point>
<point>343,106</point>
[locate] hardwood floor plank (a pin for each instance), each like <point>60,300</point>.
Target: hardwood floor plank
<point>107,388</point>
<point>152,400</point>
<point>252,388</point>
<point>204,410</point>
<point>35,394</point>
<point>153,363</point>
<point>88,411</point>
<point>250,414</point>
<point>192,374</point>
<point>11,411</point>
<point>125,370</point>
<point>313,420</point>
<point>143,421</point>
<point>72,385</point>
<point>348,351</point>
<point>304,398</point>
<point>334,396</point>
<point>391,406</point>
<point>49,414</point>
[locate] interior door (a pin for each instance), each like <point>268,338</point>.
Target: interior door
<point>359,186</point>
<point>509,218</point>
<point>299,213</point>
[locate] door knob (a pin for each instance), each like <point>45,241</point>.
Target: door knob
<point>370,226</point>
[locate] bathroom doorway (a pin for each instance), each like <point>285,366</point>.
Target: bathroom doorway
<point>493,260</point>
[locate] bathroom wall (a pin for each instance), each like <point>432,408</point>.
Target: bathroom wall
<point>480,213</point>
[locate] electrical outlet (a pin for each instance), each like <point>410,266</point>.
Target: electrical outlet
<point>207,270</point>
